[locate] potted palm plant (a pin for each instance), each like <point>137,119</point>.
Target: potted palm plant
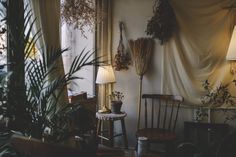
<point>40,108</point>
<point>116,98</point>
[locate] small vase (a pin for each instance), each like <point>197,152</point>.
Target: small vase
<point>116,106</point>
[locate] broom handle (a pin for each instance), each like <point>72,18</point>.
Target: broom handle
<point>139,99</point>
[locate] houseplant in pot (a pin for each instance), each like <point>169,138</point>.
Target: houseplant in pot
<point>41,107</point>
<point>116,98</point>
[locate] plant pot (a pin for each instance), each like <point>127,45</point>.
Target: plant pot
<point>116,106</point>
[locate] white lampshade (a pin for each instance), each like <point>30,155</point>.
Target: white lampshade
<point>105,75</point>
<point>231,54</point>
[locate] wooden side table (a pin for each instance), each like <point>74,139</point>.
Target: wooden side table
<point>111,117</point>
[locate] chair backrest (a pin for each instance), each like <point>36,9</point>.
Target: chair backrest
<point>160,111</point>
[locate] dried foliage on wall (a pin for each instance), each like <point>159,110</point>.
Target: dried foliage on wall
<point>163,23</point>
<point>79,13</point>
<point>122,59</point>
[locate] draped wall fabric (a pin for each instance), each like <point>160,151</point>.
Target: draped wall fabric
<point>47,13</point>
<point>197,50</point>
<point>103,40</point>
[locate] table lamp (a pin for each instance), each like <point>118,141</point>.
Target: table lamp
<point>105,76</point>
<point>231,53</point>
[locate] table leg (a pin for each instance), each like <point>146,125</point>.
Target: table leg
<point>111,132</point>
<point>124,133</point>
<point>99,124</point>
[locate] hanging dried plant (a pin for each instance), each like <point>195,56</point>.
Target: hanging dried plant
<point>215,97</point>
<point>163,23</point>
<point>79,13</point>
<point>122,59</point>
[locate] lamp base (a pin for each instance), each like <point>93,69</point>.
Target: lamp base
<point>104,110</point>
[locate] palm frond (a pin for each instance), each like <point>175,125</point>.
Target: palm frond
<point>52,55</point>
<point>84,59</point>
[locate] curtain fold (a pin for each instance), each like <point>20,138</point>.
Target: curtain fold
<point>103,41</point>
<point>37,24</point>
<point>197,50</point>
<point>47,14</point>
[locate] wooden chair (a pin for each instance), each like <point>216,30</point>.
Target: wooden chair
<point>160,116</point>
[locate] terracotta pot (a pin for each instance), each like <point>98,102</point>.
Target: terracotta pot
<point>116,106</point>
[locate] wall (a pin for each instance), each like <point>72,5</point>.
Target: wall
<point>135,14</point>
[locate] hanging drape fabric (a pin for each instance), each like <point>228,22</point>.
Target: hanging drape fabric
<point>197,50</point>
<point>103,40</point>
<point>47,14</point>
<point>33,5</point>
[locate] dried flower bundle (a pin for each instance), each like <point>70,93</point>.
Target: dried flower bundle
<point>122,59</point>
<point>163,23</point>
<point>142,50</point>
<point>219,96</point>
<point>215,97</point>
<point>116,96</point>
<point>80,13</point>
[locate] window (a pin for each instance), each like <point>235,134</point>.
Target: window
<point>77,40</point>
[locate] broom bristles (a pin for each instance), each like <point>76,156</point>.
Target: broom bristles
<point>142,50</point>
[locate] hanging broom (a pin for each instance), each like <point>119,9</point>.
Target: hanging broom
<point>142,50</point>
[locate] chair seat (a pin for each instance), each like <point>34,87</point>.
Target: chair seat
<point>154,134</point>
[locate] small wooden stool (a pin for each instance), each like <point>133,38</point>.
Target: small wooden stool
<point>111,117</point>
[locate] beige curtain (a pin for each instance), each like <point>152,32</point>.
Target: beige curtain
<point>47,13</point>
<point>197,50</point>
<point>103,41</point>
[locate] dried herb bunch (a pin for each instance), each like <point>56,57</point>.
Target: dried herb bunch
<point>163,23</point>
<point>80,13</point>
<point>122,59</point>
<point>217,96</point>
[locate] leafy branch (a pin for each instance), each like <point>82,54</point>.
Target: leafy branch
<point>217,96</point>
